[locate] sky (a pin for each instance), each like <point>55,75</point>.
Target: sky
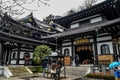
<point>57,7</point>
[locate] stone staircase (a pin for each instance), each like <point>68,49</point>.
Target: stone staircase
<point>77,71</point>
<point>19,71</point>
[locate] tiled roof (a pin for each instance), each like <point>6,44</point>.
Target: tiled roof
<point>86,28</point>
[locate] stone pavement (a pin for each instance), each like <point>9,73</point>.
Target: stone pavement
<point>70,77</point>
<point>41,78</point>
<point>28,78</point>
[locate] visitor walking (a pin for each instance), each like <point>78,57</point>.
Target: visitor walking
<point>53,69</point>
<point>44,66</point>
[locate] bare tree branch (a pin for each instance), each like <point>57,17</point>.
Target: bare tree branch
<point>17,7</point>
<point>40,1</point>
<point>20,4</point>
<point>87,4</point>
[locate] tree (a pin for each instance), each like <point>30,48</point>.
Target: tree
<point>18,7</point>
<point>72,11</point>
<point>50,18</point>
<point>40,52</point>
<point>87,4</point>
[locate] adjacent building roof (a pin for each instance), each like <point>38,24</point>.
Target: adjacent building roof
<point>86,28</point>
<point>41,26</point>
<point>108,8</point>
<point>15,31</point>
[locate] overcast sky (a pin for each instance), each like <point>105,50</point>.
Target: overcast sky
<point>57,7</point>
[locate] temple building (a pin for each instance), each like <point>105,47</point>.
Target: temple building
<point>92,35</point>
<point>18,38</point>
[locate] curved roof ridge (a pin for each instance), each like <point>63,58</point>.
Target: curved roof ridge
<point>27,17</point>
<point>71,15</point>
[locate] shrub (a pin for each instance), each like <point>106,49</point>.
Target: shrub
<point>36,69</point>
<point>40,52</point>
<point>105,76</point>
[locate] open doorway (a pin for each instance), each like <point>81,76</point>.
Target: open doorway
<point>85,55</point>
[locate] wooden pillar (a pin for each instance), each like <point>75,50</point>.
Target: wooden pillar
<point>73,52</point>
<point>61,48</point>
<point>18,54</point>
<point>115,52</point>
<point>1,49</point>
<point>117,7</point>
<point>115,41</point>
<point>95,48</point>
<point>7,56</point>
<point>10,57</point>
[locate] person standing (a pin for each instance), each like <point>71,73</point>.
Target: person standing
<point>116,73</point>
<point>44,66</point>
<point>76,60</point>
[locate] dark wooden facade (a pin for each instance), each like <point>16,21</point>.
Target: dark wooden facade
<point>94,30</point>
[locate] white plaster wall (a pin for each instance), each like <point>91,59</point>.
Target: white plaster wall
<point>104,38</point>
<point>21,54</point>
<point>74,25</point>
<point>21,62</point>
<point>31,55</point>
<point>65,44</point>
<point>15,54</point>
<point>13,61</point>
<point>70,50</point>
<point>91,40</point>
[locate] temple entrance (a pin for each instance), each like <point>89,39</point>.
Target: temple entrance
<point>84,55</point>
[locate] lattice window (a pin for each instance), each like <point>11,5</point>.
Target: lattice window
<point>105,49</point>
<point>66,52</point>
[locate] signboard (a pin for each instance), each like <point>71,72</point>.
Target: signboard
<point>81,41</point>
<point>105,59</point>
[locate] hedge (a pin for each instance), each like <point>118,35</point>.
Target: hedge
<point>100,76</point>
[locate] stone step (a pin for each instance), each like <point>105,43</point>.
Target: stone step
<point>20,71</point>
<point>79,71</point>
